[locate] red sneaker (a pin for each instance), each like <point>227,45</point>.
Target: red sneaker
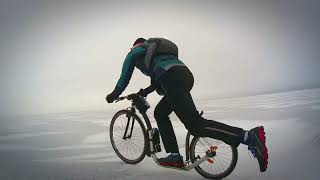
<point>172,161</point>
<point>258,147</point>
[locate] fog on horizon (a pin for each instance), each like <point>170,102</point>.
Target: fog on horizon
<point>68,55</point>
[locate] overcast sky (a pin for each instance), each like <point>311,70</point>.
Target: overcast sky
<point>67,55</point>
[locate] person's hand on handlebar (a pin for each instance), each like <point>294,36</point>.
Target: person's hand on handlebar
<point>114,96</point>
<point>146,91</point>
<point>143,93</point>
<point>111,97</point>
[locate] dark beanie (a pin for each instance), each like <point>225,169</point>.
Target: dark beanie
<point>139,40</point>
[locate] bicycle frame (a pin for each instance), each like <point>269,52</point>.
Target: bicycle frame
<point>188,166</point>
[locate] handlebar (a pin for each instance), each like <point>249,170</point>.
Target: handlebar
<point>121,98</point>
<point>137,100</point>
<point>129,97</point>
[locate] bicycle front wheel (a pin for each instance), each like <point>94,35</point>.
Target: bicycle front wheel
<point>221,164</point>
<point>128,136</point>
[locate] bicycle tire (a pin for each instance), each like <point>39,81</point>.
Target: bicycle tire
<point>141,156</point>
<point>204,173</point>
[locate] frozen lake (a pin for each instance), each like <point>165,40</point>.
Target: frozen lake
<point>76,145</point>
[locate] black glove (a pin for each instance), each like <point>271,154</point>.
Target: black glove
<point>111,97</point>
<point>143,93</point>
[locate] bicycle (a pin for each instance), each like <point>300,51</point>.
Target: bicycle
<point>206,155</point>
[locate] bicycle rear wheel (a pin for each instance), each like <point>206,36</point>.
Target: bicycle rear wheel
<point>220,165</point>
<point>128,137</point>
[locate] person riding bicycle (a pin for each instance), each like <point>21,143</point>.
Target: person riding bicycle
<point>171,78</point>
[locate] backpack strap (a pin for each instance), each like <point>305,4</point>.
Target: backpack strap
<point>152,46</point>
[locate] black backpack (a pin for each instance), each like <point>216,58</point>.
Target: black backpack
<point>157,46</point>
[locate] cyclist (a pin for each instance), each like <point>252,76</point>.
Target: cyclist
<point>171,78</point>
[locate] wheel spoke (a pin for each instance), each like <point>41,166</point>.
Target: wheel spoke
<point>223,162</point>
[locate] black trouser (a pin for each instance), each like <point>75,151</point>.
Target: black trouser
<point>177,83</point>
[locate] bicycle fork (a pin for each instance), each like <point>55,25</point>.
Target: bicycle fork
<point>127,134</point>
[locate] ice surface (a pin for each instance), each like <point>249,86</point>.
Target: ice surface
<point>77,146</point>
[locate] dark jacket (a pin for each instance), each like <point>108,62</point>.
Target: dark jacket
<point>159,65</point>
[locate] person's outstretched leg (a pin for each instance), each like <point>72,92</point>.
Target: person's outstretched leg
<point>177,83</point>
<point>185,109</point>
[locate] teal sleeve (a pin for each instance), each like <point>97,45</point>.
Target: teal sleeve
<point>127,69</point>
